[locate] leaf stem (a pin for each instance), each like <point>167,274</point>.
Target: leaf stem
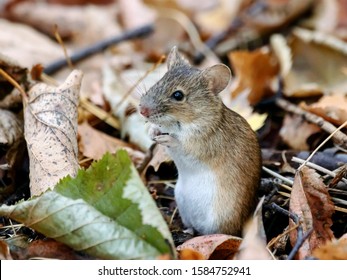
<point>13,82</point>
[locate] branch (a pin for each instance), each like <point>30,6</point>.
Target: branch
<point>98,47</point>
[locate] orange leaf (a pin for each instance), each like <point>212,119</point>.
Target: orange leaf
<point>255,72</point>
<point>214,246</point>
<point>333,250</point>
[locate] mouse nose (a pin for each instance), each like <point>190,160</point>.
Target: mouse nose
<point>145,111</point>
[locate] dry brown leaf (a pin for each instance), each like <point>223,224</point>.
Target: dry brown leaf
<point>330,16</point>
<point>94,144</point>
<point>332,250</point>
<point>4,251</point>
<point>318,62</point>
<point>72,21</point>
<point>332,108</point>
<point>253,245</point>
<point>213,247</point>
<point>159,156</point>
<point>295,132</point>
<point>219,17</point>
<point>255,72</point>
<point>47,248</point>
<point>11,127</point>
<point>311,202</point>
<point>277,13</point>
<point>135,13</point>
<point>50,129</point>
<point>25,45</point>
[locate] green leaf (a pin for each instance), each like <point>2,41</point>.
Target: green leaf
<point>105,211</point>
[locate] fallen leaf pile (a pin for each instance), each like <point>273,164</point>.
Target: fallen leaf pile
<point>81,178</point>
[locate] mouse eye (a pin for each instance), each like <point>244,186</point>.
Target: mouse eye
<point>177,95</point>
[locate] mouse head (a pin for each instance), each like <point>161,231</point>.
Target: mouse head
<point>185,95</point>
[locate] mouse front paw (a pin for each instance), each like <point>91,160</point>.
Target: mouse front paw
<point>166,140</point>
<point>153,132</point>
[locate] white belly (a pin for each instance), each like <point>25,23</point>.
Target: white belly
<point>194,195</point>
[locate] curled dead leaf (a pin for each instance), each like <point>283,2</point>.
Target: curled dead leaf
<point>311,202</point>
<point>50,130</point>
<point>316,62</point>
<point>253,245</point>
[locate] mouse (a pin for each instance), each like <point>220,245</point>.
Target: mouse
<point>216,152</point>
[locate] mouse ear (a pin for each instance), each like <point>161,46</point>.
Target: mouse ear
<point>175,59</point>
<point>218,77</point>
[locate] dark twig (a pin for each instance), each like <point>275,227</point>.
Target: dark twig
<point>98,47</point>
<point>299,241</point>
<point>284,212</point>
<point>271,193</point>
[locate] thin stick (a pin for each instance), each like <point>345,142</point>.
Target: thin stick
<point>299,241</point>
<point>286,187</point>
<point>85,160</point>
<point>278,237</point>
<point>147,159</point>
<point>14,83</point>
<point>60,41</point>
<point>172,216</point>
<point>326,140</point>
<point>337,208</point>
<point>340,209</point>
<point>100,113</point>
<point>317,167</point>
<point>284,179</point>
